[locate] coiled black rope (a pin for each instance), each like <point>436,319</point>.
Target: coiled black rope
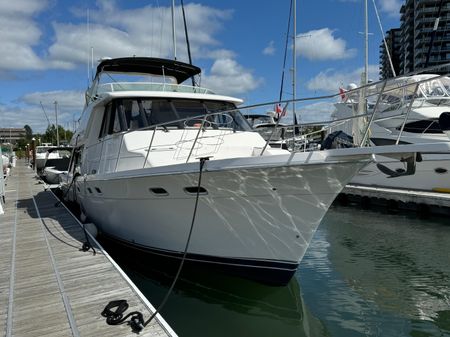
<point>137,319</point>
<point>115,317</point>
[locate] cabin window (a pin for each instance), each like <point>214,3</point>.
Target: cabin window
<point>423,126</point>
<point>137,113</point>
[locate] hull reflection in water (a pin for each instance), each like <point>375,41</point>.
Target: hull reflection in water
<point>216,304</point>
<point>379,275</point>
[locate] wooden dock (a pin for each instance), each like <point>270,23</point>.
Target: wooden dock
<point>48,285</point>
<point>420,201</point>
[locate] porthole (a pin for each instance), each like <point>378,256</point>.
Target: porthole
<point>98,190</point>
<point>440,170</point>
<point>89,190</point>
<point>195,189</point>
<point>158,191</point>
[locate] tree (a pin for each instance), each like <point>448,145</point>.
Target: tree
<point>50,135</point>
<point>28,132</point>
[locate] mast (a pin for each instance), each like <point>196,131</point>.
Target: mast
<point>366,44</point>
<point>173,32</point>
<point>294,60</point>
<point>57,132</point>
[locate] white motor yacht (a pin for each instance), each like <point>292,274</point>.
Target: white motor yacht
<point>42,155</point>
<point>135,171</point>
<point>54,166</point>
<point>420,111</point>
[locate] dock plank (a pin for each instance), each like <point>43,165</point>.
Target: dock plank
<point>48,285</point>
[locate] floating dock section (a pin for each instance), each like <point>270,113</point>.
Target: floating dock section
<point>48,285</point>
<point>423,202</point>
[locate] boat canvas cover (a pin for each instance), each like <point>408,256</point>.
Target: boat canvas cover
<point>405,86</point>
<point>149,65</point>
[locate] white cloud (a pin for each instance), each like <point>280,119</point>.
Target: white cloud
<point>330,80</point>
<point>29,110</point>
<point>320,45</point>
<point>270,49</point>
<point>316,112</point>
<point>145,31</point>
<point>390,7</point>
<point>19,33</point>
<point>219,54</point>
<point>118,32</point>
<point>114,32</point>
<point>228,77</point>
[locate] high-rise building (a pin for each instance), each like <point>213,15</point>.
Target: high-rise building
<point>393,42</point>
<point>417,19</point>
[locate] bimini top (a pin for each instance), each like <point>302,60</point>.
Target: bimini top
<point>149,65</point>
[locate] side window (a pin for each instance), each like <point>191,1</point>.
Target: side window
<point>105,122</point>
<point>114,119</point>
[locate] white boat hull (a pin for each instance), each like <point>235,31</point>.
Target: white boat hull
<point>432,174</point>
<point>258,218</point>
<point>52,175</point>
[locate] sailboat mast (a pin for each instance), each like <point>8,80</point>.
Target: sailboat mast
<point>56,116</point>
<point>366,44</point>
<point>294,60</point>
<point>173,32</point>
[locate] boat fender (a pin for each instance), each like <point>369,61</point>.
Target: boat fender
<point>91,229</point>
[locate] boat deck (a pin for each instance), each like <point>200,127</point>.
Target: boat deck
<point>48,285</point>
<point>421,201</point>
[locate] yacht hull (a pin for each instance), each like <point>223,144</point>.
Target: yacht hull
<point>255,221</point>
<point>432,174</point>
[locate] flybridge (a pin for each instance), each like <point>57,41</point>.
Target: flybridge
<point>142,74</point>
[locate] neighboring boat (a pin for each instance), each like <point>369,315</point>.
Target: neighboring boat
<point>270,130</point>
<point>424,114</point>
<point>5,164</point>
<point>54,167</point>
<point>135,169</point>
<point>41,155</point>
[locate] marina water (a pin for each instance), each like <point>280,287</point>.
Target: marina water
<point>364,274</point>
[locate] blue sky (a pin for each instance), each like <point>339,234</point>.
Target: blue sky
<point>238,44</point>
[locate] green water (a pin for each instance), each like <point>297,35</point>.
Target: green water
<point>364,274</point>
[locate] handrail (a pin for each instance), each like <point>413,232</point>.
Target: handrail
<point>383,89</point>
<point>366,133</point>
<point>406,115</point>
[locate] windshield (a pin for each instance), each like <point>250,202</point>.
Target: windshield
<point>137,113</point>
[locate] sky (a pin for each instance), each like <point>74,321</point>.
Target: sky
<point>239,45</point>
